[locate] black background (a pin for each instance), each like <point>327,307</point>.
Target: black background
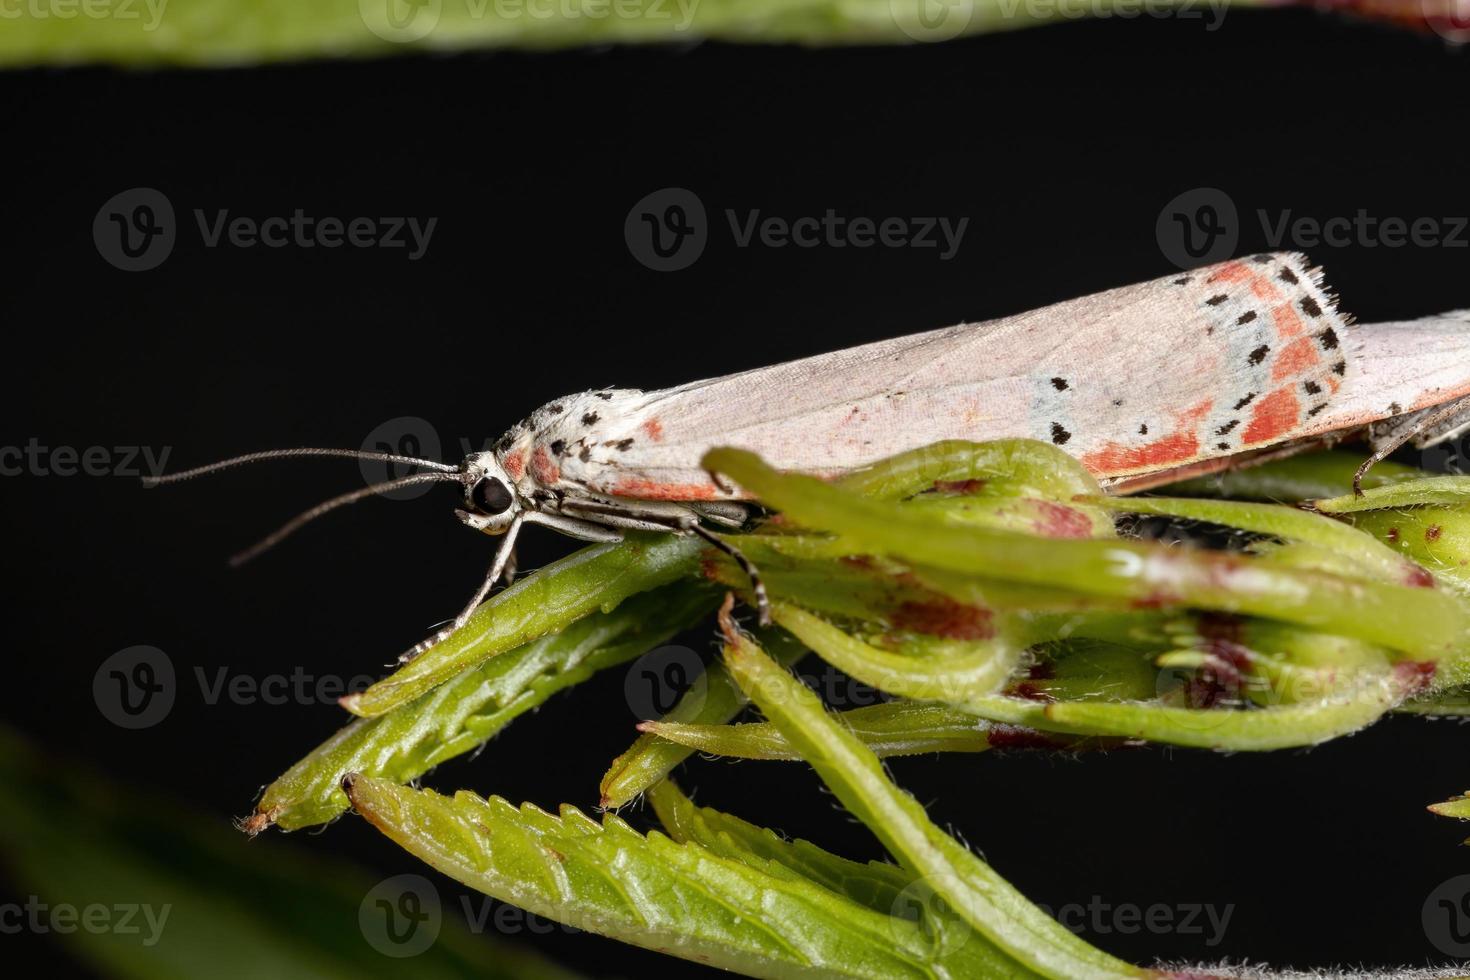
<point>1061,145</point>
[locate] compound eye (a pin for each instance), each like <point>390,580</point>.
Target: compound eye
<point>491,496</point>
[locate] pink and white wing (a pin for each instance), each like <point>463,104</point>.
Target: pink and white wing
<point>1133,380</point>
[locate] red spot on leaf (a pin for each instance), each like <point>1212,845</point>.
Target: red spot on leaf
<point>1418,577</point>
<point>1414,675</point>
<point>1432,532</point>
<point>959,486</point>
<point>1014,737</point>
<point>945,617</point>
<point>1029,691</point>
<point>1060,521</point>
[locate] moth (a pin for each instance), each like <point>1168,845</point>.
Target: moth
<point>1223,366</point>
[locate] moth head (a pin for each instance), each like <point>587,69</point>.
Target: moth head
<point>491,502</point>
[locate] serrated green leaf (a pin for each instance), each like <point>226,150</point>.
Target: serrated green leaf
<point>461,715</point>
<point>681,899</point>
<point>969,886</point>
<point>558,595</point>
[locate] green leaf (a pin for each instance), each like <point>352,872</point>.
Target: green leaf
<point>889,729</point>
<point>465,713</point>
<point>558,595</point>
<point>967,885</point>
<point>968,670</point>
<point>1423,623</point>
<point>235,32</point>
<point>1304,477</point>
<point>715,700</point>
<point>1371,557</point>
<point>681,899</point>
<point>1412,493</point>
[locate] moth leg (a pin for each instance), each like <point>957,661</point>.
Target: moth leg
<point>762,601</point>
<point>573,528</point>
<point>724,513</point>
<point>1427,423</point>
<point>504,556</point>
<point>676,519</point>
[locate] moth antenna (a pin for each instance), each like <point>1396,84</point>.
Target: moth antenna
<point>341,500</point>
<point>225,464</point>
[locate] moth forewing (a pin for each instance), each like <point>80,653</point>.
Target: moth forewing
<point>1195,366</point>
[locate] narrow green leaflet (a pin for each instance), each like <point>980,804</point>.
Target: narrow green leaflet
<point>1373,558</point>
<point>1422,622</point>
<point>680,899</point>
<point>884,888</point>
<point>890,729</point>
<point>236,32</point>
<point>1304,477</point>
<point>558,595</point>
<point>713,701</point>
<point>1430,490</point>
<point>975,669</point>
<point>969,886</point>
<point>1437,537</point>
<point>1008,467</point>
<point>463,714</point>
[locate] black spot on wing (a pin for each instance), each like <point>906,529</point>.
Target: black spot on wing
<point>623,445</point>
<point>1143,429</point>
<point>1286,275</point>
<point>1216,300</point>
<point>559,447</point>
<point>590,418</point>
<point>1328,339</point>
<point>1224,430</point>
<point>1313,388</point>
<point>1250,397</point>
<point>1259,354</point>
<point>1060,384</point>
<point>1059,435</point>
<point>604,395</point>
<point>1311,306</point>
<point>1245,318</point>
